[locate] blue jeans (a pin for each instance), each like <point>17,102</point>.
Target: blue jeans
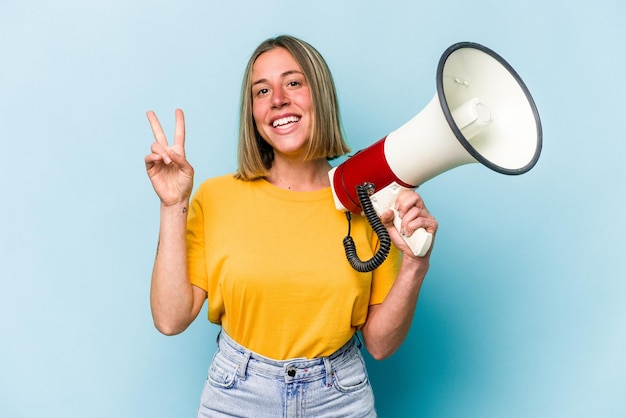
<point>241,383</point>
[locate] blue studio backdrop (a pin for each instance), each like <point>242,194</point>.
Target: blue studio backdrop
<point>522,313</point>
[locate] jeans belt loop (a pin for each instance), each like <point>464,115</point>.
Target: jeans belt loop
<point>244,365</point>
<point>329,372</point>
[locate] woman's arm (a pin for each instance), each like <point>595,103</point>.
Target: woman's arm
<point>388,324</point>
<point>175,302</point>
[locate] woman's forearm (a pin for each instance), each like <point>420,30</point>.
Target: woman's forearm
<point>171,293</point>
<point>388,324</point>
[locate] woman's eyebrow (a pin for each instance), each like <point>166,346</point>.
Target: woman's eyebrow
<point>283,75</point>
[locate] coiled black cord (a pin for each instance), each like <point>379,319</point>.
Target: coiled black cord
<point>363,192</point>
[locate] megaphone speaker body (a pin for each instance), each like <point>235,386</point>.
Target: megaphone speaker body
<point>482,112</point>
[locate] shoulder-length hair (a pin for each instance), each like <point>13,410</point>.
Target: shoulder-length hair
<point>255,156</point>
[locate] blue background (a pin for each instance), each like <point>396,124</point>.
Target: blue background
<point>522,313</point>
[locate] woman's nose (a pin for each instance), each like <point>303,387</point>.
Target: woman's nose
<point>279,98</point>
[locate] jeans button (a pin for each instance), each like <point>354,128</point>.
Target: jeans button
<point>291,372</point>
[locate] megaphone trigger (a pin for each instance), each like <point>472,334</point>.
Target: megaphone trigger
<point>385,199</point>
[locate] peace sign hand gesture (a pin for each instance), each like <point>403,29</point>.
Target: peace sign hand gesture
<point>170,173</point>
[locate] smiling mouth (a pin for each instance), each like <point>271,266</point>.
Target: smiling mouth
<point>283,122</point>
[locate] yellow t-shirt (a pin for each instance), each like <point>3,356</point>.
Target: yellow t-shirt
<point>273,265</point>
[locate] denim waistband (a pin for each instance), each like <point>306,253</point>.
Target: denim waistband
<point>291,370</point>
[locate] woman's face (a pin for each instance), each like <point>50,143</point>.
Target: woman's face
<point>281,103</point>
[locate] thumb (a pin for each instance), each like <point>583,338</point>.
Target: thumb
<point>387,218</point>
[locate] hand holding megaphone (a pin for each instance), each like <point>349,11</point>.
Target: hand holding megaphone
<point>384,200</point>
<point>482,112</point>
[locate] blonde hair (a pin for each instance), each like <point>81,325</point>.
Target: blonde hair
<point>255,156</point>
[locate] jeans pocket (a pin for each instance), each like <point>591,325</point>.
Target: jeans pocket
<point>351,376</point>
<point>222,374</point>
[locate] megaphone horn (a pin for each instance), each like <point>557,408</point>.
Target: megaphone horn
<point>482,112</point>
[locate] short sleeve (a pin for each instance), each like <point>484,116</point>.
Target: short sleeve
<point>196,251</point>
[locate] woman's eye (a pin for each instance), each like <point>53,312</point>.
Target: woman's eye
<point>293,83</point>
<point>262,92</point>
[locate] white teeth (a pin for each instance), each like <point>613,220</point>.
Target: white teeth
<point>285,121</point>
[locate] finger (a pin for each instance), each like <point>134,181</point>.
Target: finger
<point>387,218</point>
<point>407,200</point>
<point>427,222</point>
<point>157,130</point>
<point>152,161</point>
<point>416,216</point>
<point>160,150</point>
<point>179,131</point>
<point>413,215</point>
<point>398,236</point>
<point>181,161</point>
<point>152,158</point>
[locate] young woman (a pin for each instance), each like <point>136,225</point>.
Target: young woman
<point>264,246</point>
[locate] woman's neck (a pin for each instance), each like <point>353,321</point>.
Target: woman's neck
<point>304,176</point>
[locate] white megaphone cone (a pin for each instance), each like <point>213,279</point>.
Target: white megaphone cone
<point>482,112</point>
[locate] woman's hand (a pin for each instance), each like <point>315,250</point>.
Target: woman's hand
<point>413,214</point>
<point>170,173</point>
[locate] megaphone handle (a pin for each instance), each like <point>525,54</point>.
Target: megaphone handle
<point>421,240</point>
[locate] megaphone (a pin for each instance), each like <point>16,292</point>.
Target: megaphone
<point>482,112</point>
